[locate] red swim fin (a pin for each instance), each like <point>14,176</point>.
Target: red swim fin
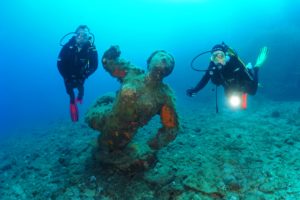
<point>244,100</point>
<point>74,112</point>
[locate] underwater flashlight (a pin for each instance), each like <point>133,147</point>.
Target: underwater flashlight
<point>238,100</point>
<point>235,101</point>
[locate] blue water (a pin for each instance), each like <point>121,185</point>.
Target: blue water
<point>32,90</point>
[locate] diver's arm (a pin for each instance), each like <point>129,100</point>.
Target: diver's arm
<point>202,83</point>
<point>61,62</point>
<point>93,60</point>
<point>113,64</point>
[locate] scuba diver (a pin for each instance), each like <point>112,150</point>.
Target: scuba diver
<point>77,60</point>
<point>226,69</point>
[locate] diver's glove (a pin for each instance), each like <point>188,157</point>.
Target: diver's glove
<point>190,92</point>
<point>112,53</point>
<point>261,57</point>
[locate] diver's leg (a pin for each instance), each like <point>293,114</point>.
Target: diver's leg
<point>251,86</point>
<point>80,92</point>
<point>73,107</point>
<point>256,74</point>
<point>70,91</point>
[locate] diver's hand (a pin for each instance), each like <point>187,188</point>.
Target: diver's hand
<point>190,92</point>
<point>261,57</point>
<point>112,53</point>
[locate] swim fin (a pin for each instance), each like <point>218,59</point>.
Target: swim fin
<point>244,101</point>
<point>74,112</point>
<point>262,57</point>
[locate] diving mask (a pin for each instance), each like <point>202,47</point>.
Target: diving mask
<point>82,36</point>
<point>218,57</point>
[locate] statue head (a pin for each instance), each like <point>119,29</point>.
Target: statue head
<point>160,64</point>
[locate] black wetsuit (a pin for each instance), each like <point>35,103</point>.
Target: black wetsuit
<point>234,76</point>
<point>75,66</point>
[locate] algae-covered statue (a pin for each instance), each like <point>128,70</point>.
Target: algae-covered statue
<point>142,96</point>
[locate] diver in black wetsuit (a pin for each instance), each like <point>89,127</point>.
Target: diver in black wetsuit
<point>226,69</point>
<point>77,60</point>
